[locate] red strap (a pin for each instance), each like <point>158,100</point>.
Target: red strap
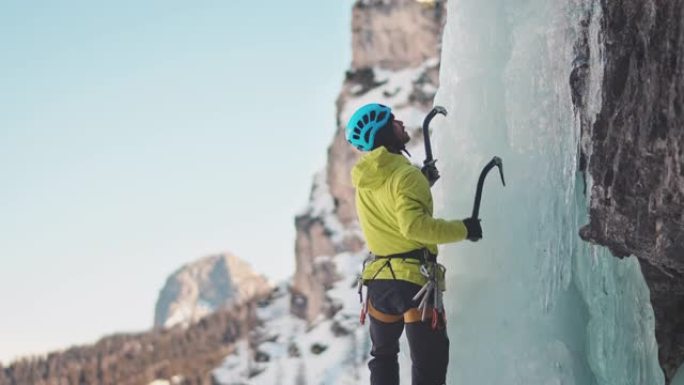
<point>364,311</point>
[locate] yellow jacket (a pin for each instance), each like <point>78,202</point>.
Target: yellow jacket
<point>394,206</point>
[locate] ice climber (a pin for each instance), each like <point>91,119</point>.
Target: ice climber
<point>394,206</point>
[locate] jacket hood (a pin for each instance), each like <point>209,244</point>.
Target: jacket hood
<point>373,169</point>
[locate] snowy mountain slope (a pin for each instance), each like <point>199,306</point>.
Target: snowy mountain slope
<point>285,350</point>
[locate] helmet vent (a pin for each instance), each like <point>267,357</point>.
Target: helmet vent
<point>381,116</point>
<point>366,136</point>
<point>372,115</point>
<point>365,119</point>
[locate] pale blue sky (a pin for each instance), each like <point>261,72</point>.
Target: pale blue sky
<point>137,136</point>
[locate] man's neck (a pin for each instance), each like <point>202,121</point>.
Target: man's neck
<point>394,149</point>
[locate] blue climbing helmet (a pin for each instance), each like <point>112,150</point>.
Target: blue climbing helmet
<point>365,123</point>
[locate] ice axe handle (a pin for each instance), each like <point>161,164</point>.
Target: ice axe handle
<point>496,161</point>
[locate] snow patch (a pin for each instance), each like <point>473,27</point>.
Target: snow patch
<point>331,352</point>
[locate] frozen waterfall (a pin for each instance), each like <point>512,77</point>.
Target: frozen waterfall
<point>531,303</point>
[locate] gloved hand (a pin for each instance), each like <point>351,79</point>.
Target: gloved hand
<point>474,229</point>
<point>430,172</point>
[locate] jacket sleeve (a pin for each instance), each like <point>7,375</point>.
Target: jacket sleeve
<point>413,207</point>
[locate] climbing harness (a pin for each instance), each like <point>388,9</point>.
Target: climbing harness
<point>432,272</point>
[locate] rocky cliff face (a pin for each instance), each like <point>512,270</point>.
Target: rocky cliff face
<point>395,34</point>
<point>634,152</point>
<point>202,287</point>
<point>395,60</point>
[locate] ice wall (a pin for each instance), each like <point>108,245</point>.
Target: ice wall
<point>678,378</point>
<point>531,303</point>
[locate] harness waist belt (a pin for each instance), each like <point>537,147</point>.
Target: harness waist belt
<point>419,254</point>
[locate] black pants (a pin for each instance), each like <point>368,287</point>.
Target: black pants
<point>429,348</point>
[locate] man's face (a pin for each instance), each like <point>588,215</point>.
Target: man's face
<point>400,132</point>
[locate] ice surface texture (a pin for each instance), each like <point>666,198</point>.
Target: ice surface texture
<point>531,303</point>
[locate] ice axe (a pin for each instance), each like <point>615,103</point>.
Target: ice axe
<point>429,162</point>
<point>496,161</point>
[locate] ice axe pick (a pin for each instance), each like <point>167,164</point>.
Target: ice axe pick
<point>429,160</point>
<point>496,161</point>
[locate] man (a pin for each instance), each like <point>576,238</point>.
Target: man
<point>394,206</point>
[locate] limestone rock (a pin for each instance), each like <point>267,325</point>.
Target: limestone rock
<point>634,152</point>
<point>392,39</point>
<point>395,34</point>
<point>200,288</point>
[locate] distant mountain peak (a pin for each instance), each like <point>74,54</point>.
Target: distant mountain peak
<point>204,286</point>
